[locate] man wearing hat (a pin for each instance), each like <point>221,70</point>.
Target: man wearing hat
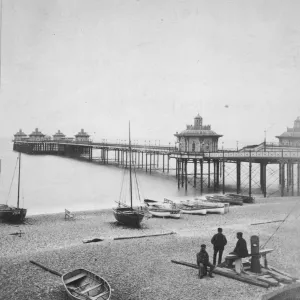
<point>203,262</point>
<point>219,241</point>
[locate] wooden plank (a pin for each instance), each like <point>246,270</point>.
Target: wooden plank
<point>265,278</point>
<point>74,278</point>
<point>283,273</point>
<point>142,236</point>
<point>228,273</point>
<point>91,288</point>
<point>267,222</point>
<point>279,277</point>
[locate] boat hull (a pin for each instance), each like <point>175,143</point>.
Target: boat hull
<point>80,283</point>
<point>13,214</point>
<point>165,213</point>
<point>129,217</point>
<point>194,211</point>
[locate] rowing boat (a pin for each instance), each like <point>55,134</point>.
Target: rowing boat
<point>165,212</point>
<point>81,284</point>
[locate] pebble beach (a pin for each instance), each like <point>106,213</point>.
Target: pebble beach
<point>141,268</point>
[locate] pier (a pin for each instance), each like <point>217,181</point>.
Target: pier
<point>251,168</point>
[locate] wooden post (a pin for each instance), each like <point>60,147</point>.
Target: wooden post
<point>178,172</point>
<point>195,172</point>
<point>201,176</point>
<point>298,179</point>
<point>157,160</point>
<point>282,178</point>
<point>146,162</point>
<point>163,163</point>
<point>182,172</point>
<point>250,176</point>
<point>288,178</point>
<point>151,162</point>
<point>292,178</point>
<point>264,178</point>
<point>185,167</point>
<point>223,171</point>
<point>255,263</point>
<point>168,163</point>
<point>238,177</point>
<point>208,178</point>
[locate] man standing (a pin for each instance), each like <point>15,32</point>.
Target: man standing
<point>203,262</point>
<point>219,241</point>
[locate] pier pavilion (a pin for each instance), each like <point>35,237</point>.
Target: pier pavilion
<point>20,136</point>
<point>198,138</point>
<point>291,137</point>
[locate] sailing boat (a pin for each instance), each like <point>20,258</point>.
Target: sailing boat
<point>11,213</point>
<point>125,214</point>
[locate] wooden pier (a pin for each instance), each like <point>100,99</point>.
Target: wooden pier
<point>204,171</point>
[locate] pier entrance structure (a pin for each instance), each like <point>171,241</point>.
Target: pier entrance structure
<point>198,138</point>
<point>265,169</point>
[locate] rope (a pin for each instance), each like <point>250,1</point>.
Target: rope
<point>12,181</point>
<point>122,186</point>
<point>279,225</point>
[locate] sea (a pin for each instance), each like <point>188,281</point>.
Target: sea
<point>49,184</point>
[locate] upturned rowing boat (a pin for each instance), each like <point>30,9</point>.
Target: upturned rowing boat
<point>81,284</point>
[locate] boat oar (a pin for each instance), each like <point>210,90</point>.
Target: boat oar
<point>46,268</point>
<point>59,274</point>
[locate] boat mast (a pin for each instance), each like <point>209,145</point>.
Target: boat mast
<point>130,175</point>
<point>19,179</point>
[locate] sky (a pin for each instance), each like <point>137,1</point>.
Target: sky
<point>96,64</point>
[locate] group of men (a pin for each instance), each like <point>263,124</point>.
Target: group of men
<point>219,242</point>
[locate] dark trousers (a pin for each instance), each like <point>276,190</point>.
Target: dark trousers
<point>216,250</point>
<point>203,269</point>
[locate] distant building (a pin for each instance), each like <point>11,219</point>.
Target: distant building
<point>20,136</point>
<point>198,137</point>
<point>82,136</point>
<point>59,136</point>
<point>291,137</point>
<point>36,136</point>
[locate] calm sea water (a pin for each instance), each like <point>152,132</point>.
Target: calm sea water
<point>49,184</point>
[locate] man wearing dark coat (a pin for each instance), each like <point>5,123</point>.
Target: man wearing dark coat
<point>219,241</point>
<point>203,262</point>
<point>240,249</point>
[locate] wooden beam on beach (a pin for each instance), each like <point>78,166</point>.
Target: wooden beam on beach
<point>46,268</point>
<point>267,222</point>
<point>142,236</point>
<point>228,273</point>
<point>283,273</point>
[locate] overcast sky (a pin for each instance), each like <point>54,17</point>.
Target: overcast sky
<point>95,64</point>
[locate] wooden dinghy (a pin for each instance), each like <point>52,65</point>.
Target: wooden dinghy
<point>192,209</point>
<point>165,213</point>
<point>81,284</point>
<point>219,210</point>
<point>244,198</point>
<point>224,199</point>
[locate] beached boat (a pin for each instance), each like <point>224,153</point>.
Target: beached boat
<point>244,198</point>
<point>81,284</point>
<point>125,214</point>
<point>193,210</point>
<point>203,203</point>
<point>166,204</point>
<point>224,199</point>
<point>11,213</point>
<point>165,212</point>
